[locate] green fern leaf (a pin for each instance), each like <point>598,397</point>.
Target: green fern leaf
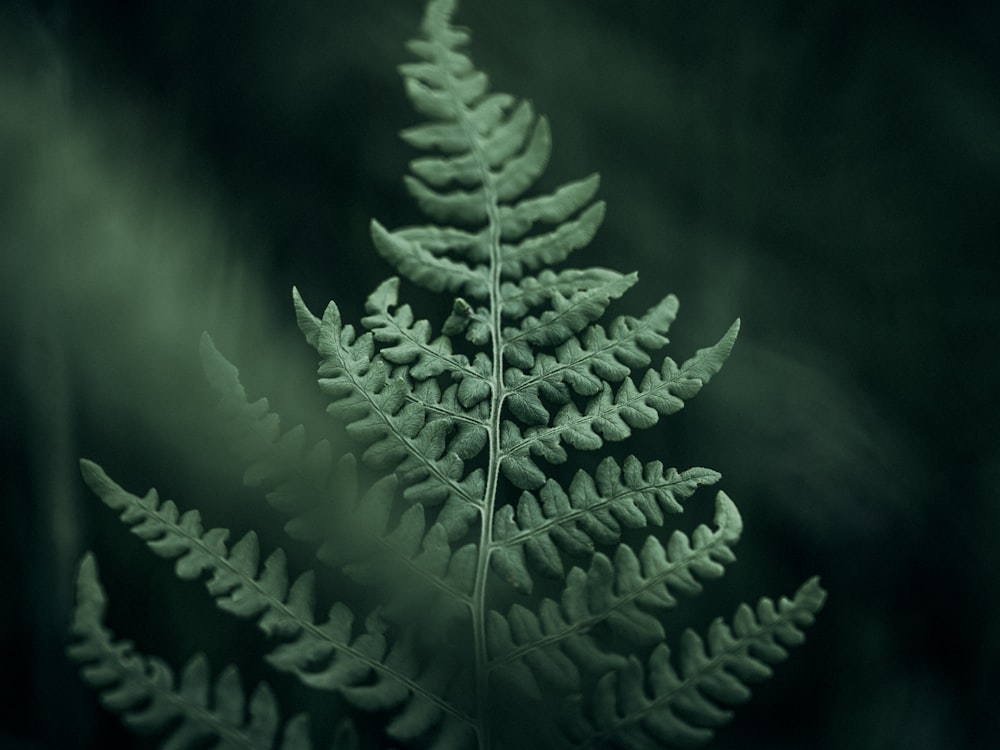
<point>301,478</point>
<point>585,363</point>
<point>385,412</point>
<point>350,526</point>
<point>326,654</point>
<point>144,692</point>
<point>456,421</point>
<point>595,511</point>
<point>612,416</point>
<point>423,267</point>
<point>568,316</point>
<point>625,593</point>
<point>518,220</point>
<point>534,291</point>
<point>407,342</point>
<point>683,706</point>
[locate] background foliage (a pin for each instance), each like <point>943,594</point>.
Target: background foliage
<point>829,172</point>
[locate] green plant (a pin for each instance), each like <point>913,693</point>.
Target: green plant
<point>451,519</point>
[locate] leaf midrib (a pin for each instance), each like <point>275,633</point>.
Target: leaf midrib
<point>497,395</point>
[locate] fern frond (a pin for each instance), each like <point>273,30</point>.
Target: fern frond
<point>192,713</point>
<point>354,530</point>
<point>454,421</point>
<point>301,478</point>
<point>594,511</point>
<point>327,655</point>
<point>409,562</point>
<point>612,415</point>
<point>567,316</point>
<point>405,341</point>
<point>552,247</point>
<point>584,363</point>
<point>517,220</point>
<point>439,274</point>
<point>609,415</point>
<point>387,414</point>
<point>492,150</point>
<point>626,593</point>
<point>534,291</point>
<point>664,706</point>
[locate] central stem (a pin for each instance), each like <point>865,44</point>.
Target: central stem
<point>493,466</point>
<point>497,394</point>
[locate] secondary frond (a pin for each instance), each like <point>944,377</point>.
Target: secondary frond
<point>301,478</point>
<point>566,317</point>
<point>611,415</point>
<point>627,594</point>
<point>667,706</point>
<point>193,713</point>
<point>405,341</point>
<point>593,512</point>
<point>584,363</point>
<point>534,291</point>
<point>367,669</point>
<point>352,529</point>
<point>385,411</point>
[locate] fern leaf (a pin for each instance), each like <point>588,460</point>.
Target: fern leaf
<point>423,267</point>
<point>499,148</point>
<point>324,654</point>
<point>594,512</point>
<point>685,703</point>
<point>612,416</point>
<point>304,479</point>
<point>553,209</point>
<point>626,594</point>
<point>379,409</point>
<point>471,246</point>
<point>192,713</point>
<point>552,247</point>
<point>300,477</point>
<point>567,316</point>
<point>236,579</point>
<point>596,357</point>
<point>308,323</point>
<point>453,419</point>
<point>354,532</point>
<point>408,342</point>
<point>533,291</point>
<point>391,417</point>
<point>494,150</point>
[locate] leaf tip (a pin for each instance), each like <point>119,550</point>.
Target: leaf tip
<point>95,476</point>
<point>727,517</point>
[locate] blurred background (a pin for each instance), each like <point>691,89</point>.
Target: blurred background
<point>827,171</point>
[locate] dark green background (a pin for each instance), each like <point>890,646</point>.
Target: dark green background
<point>827,171</point>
